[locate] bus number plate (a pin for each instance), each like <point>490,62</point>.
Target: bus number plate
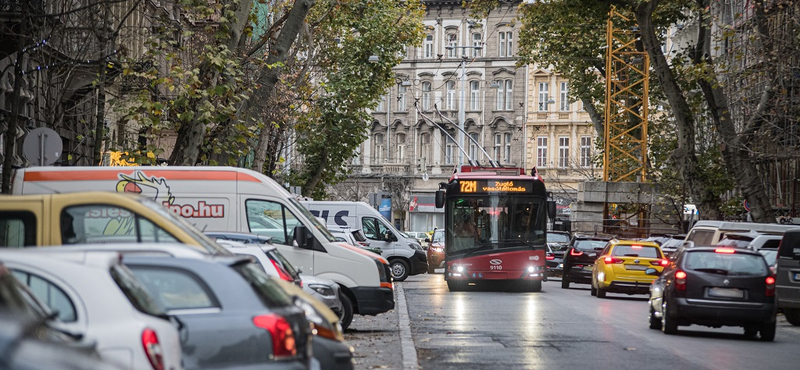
<point>493,267</point>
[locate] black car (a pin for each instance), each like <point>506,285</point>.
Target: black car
<point>553,261</point>
<point>715,287</point>
<point>579,259</point>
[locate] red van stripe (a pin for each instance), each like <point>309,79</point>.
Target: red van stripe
<point>110,175</point>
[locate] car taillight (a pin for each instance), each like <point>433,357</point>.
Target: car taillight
<point>660,263</point>
<point>725,250</point>
<point>575,252</point>
<point>770,286</point>
<point>610,259</point>
<point>283,343</point>
<point>680,280</point>
<point>282,272</point>
<point>153,349</point>
<point>549,257</point>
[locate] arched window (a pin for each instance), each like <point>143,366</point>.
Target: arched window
<point>425,146</point>
<point>505,44</point>
<point>473,147</point>
<point>476,44</point>
<point>452,42</point>
<point>428,46</point>
<point>401,147</point>
<point>474,95</point>
<point>505,94</point>
<point>401,98</point>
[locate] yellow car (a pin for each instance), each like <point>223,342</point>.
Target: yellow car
<point>621,266</point>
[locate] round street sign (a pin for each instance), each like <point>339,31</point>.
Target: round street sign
<point>42,146</point>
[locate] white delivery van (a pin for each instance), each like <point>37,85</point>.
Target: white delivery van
<point>236,199</point>
<point>405,255</point>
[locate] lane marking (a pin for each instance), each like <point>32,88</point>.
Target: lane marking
<point>409,352</point>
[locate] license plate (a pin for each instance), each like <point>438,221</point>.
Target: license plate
<point>636,267</point>
<point>725,293</point>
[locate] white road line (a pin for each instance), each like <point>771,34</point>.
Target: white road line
<point>406,341</point>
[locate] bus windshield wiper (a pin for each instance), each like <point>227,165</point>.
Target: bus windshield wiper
<point>482,247</point>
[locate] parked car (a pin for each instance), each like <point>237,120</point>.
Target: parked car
<point>99,298</point>
<point>788,277</point>
<point>672,243</point>
<point>353,237</point>
<point>752,240</point>
<point>21,348</point>
<point>436,251</point>
<point>325,290</point>
<point>419,235</point>
<point>223,303</point>
<point>715,287</point>
<point>579,259</point>
<point>621,266</point>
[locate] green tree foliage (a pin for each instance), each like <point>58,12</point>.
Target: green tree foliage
<point>345,84</point>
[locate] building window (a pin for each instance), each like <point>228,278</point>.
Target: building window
<point>428,46</point>
<point>450,88</point>
<point>473,147</point>
<point>541,151</point>
<point>401,98</point>
<point>357,158</point>
<point>505,44</point>
<point>381,104</point>
<point>379,148</point>
<point>452,42</point>
<point>401,148</point>
<point>544,96</point>
<point>563,152</point>
<point>474,95</point>
<point>507,153</point>
<point>586,151</point>
<point>426,96</point>
<point>425,146</point>
<point>564,103</point>
<point>497,146</point>
<point>504,95</point>
<point>450,152</point>
<point>476,44</point>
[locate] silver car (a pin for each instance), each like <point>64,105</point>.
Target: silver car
<point>99,298</point>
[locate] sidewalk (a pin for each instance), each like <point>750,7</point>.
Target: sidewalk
<point>376,340</point>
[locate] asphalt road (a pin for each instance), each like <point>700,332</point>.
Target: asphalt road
<point>553,329</point>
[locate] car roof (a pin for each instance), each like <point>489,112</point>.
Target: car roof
<point>644,243</point>
<point>101,259</point>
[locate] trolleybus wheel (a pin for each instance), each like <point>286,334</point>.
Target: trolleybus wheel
<point>456,286</point>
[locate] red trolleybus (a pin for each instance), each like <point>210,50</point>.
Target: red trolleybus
<point>495,228</point>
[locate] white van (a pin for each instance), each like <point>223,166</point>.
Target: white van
<point>236,199</point>
<point>405,255</point>
<point>707,232</point>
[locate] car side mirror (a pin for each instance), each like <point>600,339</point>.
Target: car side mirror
<point>551,209</point>
<point>390,237</point>
<point>651,271</point>
<point>427,240</point>
<point>303,237</point>
<point>439,198</point>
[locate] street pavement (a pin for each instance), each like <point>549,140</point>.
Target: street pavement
<point>553,329</point>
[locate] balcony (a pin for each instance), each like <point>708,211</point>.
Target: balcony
<point>11,8</point>
<point>397,169</point>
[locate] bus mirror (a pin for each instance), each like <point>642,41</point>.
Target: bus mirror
<point>439,198</point>
<point>551,209</point>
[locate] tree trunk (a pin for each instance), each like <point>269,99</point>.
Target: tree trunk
<point>684,156</point>
<point>735,153</point>
<point>13,122</point>
<point>269,76</point>
<point>597,119</point>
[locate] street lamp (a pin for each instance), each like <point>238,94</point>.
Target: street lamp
<point>461,100</point>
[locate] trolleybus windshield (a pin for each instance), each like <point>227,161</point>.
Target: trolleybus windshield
<point>494,222</point>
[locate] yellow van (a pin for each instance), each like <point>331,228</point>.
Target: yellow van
<point>92,217</point>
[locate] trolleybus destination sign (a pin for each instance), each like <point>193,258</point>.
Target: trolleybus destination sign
<point>494,186</point>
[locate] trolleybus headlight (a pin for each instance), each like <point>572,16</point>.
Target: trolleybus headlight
<point>460,268</point>
<point>531,269</point>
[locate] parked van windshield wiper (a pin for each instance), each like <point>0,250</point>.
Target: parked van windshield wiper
<point>714,271</point>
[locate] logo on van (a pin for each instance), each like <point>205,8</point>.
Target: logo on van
<point>158,190</point>
<point>338,218</point>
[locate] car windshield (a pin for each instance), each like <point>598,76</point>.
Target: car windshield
<point>734,243</point>
<point>557,238</point>
<point>643,251</point>
<point>726,263</point>
<point>770,255</point>
<point>438,236</point>
<point>590,245</point>
<point>270,293</point>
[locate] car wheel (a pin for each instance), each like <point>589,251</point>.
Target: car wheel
<point>456,286</point>
<point>600,293</point>
<point>792,315</point>
<point>399,269</point>
<point>564,282</point>
<point>592,290</point>
<point>655,322</point>
<point>768,331</point>
<point>669,325</point>
<point>347,311</point>
<point>750,332</point>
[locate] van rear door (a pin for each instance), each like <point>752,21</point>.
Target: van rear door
<point>788,275</point>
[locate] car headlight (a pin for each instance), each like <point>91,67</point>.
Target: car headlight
<point>415,246</point>
<point>322,290</point>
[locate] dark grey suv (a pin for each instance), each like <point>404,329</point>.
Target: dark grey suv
<point>715,287</point>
